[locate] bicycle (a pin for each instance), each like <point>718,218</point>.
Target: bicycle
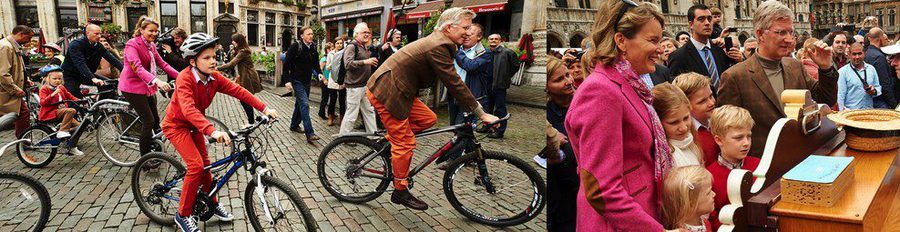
<point>24,201</point>
<point>38,145</point>
<point>155,187</point>
<point>363,172</point>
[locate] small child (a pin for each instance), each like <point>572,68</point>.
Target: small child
<point>731,127</point>
<point>699,93</point>
<point>674,111</point>
<point>687,199</point>
<point>50,94</point>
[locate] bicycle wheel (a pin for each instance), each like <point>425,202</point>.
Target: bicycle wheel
<point>287,210</point>
<point>156,181</point>
<point>118,136</point>
<point>518,194</point>
<point>342,175</point>
<point>218,151</point>
<point>40,148</point>
<point>24,203</point>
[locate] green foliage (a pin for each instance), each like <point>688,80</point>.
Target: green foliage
<point>267,61</point>
<point>112,31</point>
<point>429,27</point>
<point>288,2</point>
<point>318,30</point>
<point>301,4</point>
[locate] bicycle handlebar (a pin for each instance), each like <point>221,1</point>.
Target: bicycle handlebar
<point>503,119</point>
<point>235,135</point>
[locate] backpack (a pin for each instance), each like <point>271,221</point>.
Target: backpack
<point>339,67</point>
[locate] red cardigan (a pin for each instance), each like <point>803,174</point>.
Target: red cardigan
<point>187,109</point>
<point>720,185</point>
<point>708,145</point>
<point>48,109</point>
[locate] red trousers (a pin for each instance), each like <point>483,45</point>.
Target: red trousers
<point>401,135</point>
<point>191,145</point>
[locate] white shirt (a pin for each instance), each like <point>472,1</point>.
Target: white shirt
<point>699,46</point>
<point>697,124</point>
<point>683,154</point>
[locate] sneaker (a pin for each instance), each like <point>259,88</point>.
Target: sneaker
<point>63,134</point>
<point>312,138</point>
<point>403,197</point>
<point>223,215</point>
<point>186,224</point>
<point>75,151</point>
<point>495,135</point>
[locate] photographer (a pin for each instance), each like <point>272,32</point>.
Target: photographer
<point>169,44</point>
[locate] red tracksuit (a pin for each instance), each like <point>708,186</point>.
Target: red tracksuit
<point>185,125</point>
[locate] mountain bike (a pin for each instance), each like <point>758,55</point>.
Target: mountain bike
<point>489,187</point>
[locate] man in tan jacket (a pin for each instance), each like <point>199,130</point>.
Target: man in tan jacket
<point>392,90</point>
<point>12,76</point>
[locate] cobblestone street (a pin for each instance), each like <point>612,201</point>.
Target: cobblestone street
<point>89,193</point>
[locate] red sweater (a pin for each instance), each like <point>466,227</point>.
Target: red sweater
<point>188,106</point>
<point>720,185</point>
<point>48,109</point>
<point>708,145</point>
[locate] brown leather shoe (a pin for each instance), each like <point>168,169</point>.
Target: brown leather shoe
<point>403,197</point>
<point>330,120</point>
<point>312,138</point>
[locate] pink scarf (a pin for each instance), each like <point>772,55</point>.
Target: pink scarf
<point>660,144</point>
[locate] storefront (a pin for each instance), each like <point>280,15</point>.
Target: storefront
<point>496,16</point>
<point>343,23</point>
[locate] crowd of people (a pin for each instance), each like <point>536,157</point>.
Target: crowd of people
<point>678,114</point>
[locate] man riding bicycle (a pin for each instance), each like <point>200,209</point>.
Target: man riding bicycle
<point>83,59</point>
<point>398,81</point>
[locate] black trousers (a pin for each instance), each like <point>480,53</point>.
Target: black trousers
<point>329,101</point>
<point>562,192</point>
<point>145,106</point>
<point>248,110</point>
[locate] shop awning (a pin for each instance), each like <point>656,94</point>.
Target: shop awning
<point>481,6</point>
<point>424,10</point>
<point>353,14</point>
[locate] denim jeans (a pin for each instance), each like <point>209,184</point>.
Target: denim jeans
<point>301,108</point>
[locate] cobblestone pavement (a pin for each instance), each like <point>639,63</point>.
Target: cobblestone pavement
<point>91,194</point>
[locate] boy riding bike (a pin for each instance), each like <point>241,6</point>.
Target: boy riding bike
<point>185,123</point>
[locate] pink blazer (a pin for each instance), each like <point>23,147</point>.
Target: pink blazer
<point>136,77</point>
<point>610,131</point>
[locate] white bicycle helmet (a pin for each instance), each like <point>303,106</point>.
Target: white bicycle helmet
<point>195,43</point>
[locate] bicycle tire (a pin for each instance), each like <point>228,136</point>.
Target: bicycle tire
<point>136,188</point>
<point>528,213</point>
<point>21,149</point>
<point>42,194</point>
<point>126,156</point>
<point>328,183</point>
<point>293,196</point>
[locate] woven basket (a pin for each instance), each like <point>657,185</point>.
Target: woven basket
<point>870,130</point>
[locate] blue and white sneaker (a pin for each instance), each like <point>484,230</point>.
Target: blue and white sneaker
<point>187,224</point>
<point>223,215</point>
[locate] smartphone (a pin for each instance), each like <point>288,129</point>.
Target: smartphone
<point>728,44</point>
<point>732,30</point>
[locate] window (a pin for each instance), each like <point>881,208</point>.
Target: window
<point>665,6</point>
<point>584,4</point>
<point>99,14</point>
<point>135,13</point>
<point>198,17</point>
<point>67,16</point>
<point>561,4</point>
<point>25,13</point>
<point>891,21</point>
<point>287,25</point>
<point>168,14</point>
<point>253,27</point>
<point>270,29</point>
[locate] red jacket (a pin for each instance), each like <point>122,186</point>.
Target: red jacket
<point>708,144</point>
<point>48,109</point>
<point>720,185</point>
<point>187,109</point>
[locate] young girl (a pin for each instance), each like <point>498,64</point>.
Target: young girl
<point>50,95</point>
<point>674,110</point>
<point>687,199</point>
<point>185,124</point>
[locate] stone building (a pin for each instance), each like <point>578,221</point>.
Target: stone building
<point>830,13</point>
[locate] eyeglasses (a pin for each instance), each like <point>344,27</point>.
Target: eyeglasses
<point>783,33</point>
<point>628,5</point>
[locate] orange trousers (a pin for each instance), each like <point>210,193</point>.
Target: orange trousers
<point>191,145</point>
<point>401,135</point>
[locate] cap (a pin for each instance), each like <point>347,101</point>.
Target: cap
<point>891,50</point>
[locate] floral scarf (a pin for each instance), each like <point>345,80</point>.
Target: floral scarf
<point>660,144</point>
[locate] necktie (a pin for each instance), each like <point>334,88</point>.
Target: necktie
<point>711,67</point>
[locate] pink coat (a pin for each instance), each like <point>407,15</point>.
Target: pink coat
<point>610,131</point>
<point>136,77</point>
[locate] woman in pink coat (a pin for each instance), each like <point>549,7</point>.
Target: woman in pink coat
<point>138,80</point>
<point>622,158</point>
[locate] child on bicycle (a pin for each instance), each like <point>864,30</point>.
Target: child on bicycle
<point>185,124</point>
<point>50,95</point>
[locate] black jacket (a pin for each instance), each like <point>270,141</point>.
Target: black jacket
<point>175,59</point>
<point>886,76</point>
<point>687,59</point>
<point>300,62</point>
<point>506,64</point>
<point>83,59</point>
<point>661,75</point>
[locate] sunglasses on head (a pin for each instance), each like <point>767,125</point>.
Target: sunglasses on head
<point>628,5</point>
